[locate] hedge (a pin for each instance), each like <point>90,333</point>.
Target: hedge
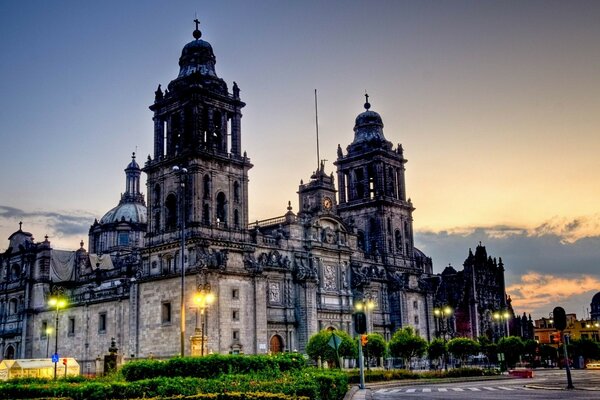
<point>400,374</point>
<point>308,383</point>
<point>211,366</point>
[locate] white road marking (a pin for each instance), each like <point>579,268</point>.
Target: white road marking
<point>411,390</point>
<point>426,390</point>
<point>442,390</point>
<point>489,388</point>
<point>457,389</point>
<point>474,389</point>
<point>505,388</point>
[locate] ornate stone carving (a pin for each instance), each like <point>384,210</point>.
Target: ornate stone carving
<point>252,265</point>
<point>212,259</point>
<point>274,259</point>
<point>329,277</point>
<point>360,275</point>
<point>274,292</point>
<point>304,269</point>
<point>328,235</point>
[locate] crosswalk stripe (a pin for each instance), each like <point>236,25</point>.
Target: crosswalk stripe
<point>505,388</point>
<point>474,389</point>
<point>426,390</point>
<point>411,390</point>
<point>442,390</point>
<point>489,388</point>
<point>457,389</point>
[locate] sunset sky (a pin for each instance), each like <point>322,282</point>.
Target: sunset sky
<point>496,103</point>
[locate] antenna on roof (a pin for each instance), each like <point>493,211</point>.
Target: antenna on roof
<point>317,129</point>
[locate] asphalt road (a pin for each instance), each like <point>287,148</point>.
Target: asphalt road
<point>547,384</point>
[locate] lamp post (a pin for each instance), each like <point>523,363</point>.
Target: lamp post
<point>56,302</point>
<point>203,299</point>
<point>363,307</point>
<point>443,314</point>
<point>182,172</point>
<point>502,317</point>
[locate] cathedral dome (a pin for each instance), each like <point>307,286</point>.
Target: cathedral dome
<point>596,299</point>
<point>368,126</point>
<point>197,56</point>
<point>129,212</point>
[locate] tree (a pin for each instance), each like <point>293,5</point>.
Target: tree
<point>512,347</point>
<point>488,348</point>
<point>461,348</point>
<point>530,349</point>
<point>318,346</point>
<point>375,347</point>
<point>406,344</point>
<point>584,347</point>
<point>436,351</point>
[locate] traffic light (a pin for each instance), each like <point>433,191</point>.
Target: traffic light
<point>360,322</point>
<point>65,362</point>
<point>551,338</point>
<point>364,340</point>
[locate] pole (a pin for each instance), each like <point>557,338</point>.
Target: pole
<point>202,334</point>
<point>569,380</point>
<point>56,341</point>
<point>361,365</point>
<point>182,338</point>
<point>47,343</point>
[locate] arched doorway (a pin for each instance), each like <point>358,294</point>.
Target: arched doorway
<point>9,353</point>
<point>276,345</point>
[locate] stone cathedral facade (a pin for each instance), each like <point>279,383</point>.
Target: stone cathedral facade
<point>276,281</point>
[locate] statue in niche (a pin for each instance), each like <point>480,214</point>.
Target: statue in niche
<point>274,292</point>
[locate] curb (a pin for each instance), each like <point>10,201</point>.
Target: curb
<point>541,387</point>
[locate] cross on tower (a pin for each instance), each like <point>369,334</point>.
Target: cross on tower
<point>20,224</point>
<point>197,23</point>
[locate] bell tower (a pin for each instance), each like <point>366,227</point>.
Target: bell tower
<point>372,194</point>
<point>197,128</point>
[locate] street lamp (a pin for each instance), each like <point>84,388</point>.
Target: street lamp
<point>362,308</point>
<point>443,315</point>
<point>56,302</point>
<point>500,316</point>
<point>182,172</point>
<point>203,299</point>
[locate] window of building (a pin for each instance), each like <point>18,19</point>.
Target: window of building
<point>221,208</point>
<point>102,322</point>
<point>15,271</point>
<point>235,335</point>
<point>415,304</point>
<point>44,330</point>
<point>71,327</point>
<point>206,186</point>
<point>166,312</point>
<point>235,315</point>
<point>236,191</point>
<point>235,294</point>
<point>416,320</point>
<point>171,206</point>
<point>13,306</point>
<point>123,238</point>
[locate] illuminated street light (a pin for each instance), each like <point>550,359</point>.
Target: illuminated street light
<point>501,317</point>
<point>203,299</point>
<point>443,315</point>
<point>56,302</point>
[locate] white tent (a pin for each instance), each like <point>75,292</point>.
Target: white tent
<point>37,367</point>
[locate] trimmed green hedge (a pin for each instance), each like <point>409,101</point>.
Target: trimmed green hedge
<point>211,366</point>
<point>308,383</point>
<point>400,374</point>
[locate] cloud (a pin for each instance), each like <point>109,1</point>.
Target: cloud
<point>56,224</point>
<point>536,291</point>
<point>566,271</point>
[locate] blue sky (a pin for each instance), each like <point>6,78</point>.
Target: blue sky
<point>495,102</point>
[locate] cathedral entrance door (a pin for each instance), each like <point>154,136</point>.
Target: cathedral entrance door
<point>276,345</point>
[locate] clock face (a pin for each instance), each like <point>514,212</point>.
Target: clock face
<point>327,203</point>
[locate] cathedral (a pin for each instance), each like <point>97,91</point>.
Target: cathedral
<point>153,261</point>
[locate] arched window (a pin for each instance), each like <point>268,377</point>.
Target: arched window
<point>206,186</point>
<point>13,306</point>
<point>157,222</point>
<point>389,226</point>
<point>236,191</point>
<point>398,238</point>
<point>171,208</point>
<point>359,184</point>
<point>360,240</point>
<point>206,214</point>
<point>15,271</point>
<point>156,195</point>
<point>221,208</point>
<point>236,219</point>
<point>217,132</point>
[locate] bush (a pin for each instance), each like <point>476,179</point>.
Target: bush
<point>211,366</point>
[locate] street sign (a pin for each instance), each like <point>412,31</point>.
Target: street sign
<point>335,341</point>
<point>55,357</point>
